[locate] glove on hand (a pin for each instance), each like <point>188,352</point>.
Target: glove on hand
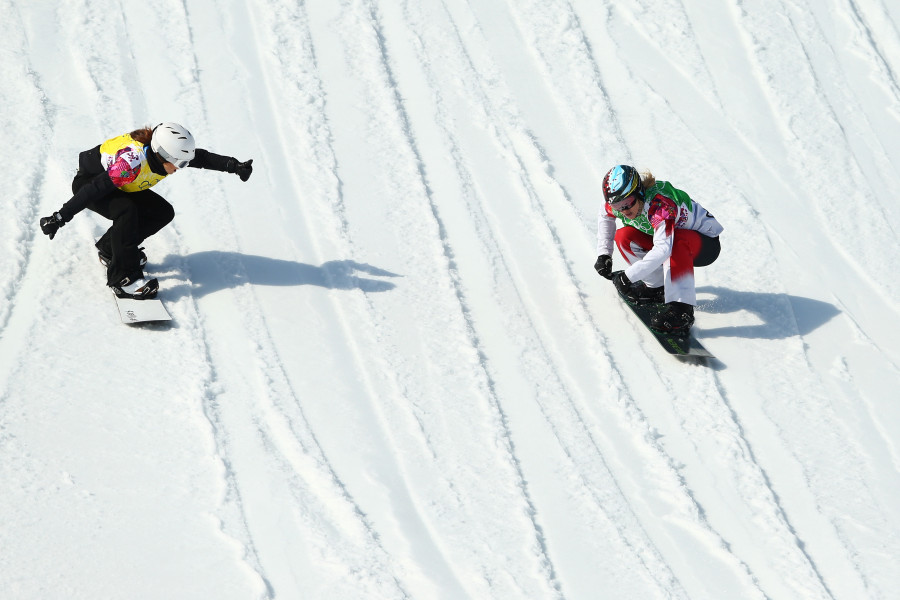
<point>50,225</point>
<point>603,266</point>
<point>622,283</point>
<point>242,169</point>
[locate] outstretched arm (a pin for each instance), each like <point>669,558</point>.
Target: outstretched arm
<point>204,159</point>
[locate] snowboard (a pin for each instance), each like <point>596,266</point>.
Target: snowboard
<point>133,311</point>
<point>141,311</point>
<point>681,346</point>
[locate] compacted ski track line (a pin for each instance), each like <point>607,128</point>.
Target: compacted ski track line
<point>99,382</point>
<point>421,226</point>
<point>738,436</point>
<point>517,320</point>
<point>324,511</point>
<point>25,102</point>
<point>541,218</point>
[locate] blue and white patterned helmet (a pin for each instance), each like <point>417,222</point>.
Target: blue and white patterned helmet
<point>621,181</point>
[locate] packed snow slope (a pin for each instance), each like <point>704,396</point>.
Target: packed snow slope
<point>392,370</point>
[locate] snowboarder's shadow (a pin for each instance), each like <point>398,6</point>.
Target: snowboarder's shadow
<point>213,271</point>
<point>782,315</point>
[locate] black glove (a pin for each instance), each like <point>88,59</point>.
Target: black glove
<point>50,225</point>
<point>603,266</point>
<point>622,283</point>
<point>243,169</point>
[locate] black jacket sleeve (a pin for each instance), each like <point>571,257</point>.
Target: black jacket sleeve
<point>97,187</point>
<point>91,183</point>
<point>204,159</point>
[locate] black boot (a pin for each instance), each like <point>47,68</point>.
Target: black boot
<point>676,317</point>
<point>106,258</point>
<point>136,287</point>
<point>641,293</point>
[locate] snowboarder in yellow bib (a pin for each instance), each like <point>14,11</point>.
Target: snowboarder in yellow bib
<point>114,180</point>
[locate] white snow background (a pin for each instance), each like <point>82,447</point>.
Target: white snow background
<point>392,370</point>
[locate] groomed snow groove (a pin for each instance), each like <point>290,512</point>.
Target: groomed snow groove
<point>392,371</point>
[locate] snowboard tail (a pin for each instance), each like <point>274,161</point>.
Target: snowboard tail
<point>141,311</point>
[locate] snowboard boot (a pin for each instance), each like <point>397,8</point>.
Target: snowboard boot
<point>105,258</point>
<point>139,288</point>
<point>641,293</point>
<point>676,318</point>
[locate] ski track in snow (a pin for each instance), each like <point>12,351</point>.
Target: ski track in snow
<point>392,372</point>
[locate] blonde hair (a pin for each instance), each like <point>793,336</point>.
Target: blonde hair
<point>647,180</point>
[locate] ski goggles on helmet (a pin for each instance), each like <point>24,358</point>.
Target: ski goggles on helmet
<point>623,204</point>
<point>170,159</point>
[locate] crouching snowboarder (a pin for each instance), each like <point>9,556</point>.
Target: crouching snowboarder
<point>114,181</point>
<point>665,235</point>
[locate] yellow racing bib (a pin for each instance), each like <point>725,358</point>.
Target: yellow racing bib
<point>125,159</point>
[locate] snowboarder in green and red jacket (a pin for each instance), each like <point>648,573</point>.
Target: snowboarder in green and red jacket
<point>665,235</point>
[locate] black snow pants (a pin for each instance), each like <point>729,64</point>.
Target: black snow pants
<point>135,216</point>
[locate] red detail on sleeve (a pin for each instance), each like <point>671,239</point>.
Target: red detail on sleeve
<point>663,210</point>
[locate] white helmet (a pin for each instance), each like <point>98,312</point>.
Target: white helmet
<point>173,143</point>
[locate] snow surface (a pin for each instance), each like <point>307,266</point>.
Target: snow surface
<point>392,371</point>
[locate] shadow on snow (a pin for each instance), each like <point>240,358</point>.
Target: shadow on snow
<point>213,271</point>
<point>782,315</point>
